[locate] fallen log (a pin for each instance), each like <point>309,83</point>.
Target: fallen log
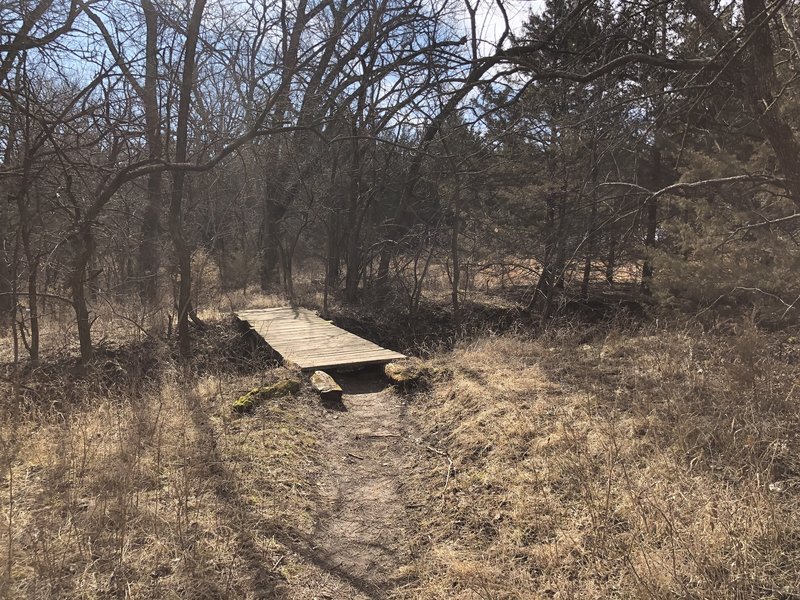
<point>248,402</point>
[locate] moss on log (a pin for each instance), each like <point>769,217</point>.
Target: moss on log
<point>248,402</point>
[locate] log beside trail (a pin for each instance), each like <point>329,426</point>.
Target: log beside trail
<point>252,399</point>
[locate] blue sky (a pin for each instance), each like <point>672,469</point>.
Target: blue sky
<point>490,19</point>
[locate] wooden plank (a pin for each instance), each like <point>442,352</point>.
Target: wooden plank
<point>343,354</point>
<point>302,337</point>
<point>289,326</point>
<point>319,360</point>
<point>309,355</point>
<point>318,341</point>
<point>341,364</point>
<point>347,354</point>
<point>335,347</point>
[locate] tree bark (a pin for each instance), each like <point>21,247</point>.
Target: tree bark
<point>6,297</point>
<point>270,245</point>
<point>591,235</point>
<point>83,248</point>
<point>33,306</point>
<point>763,82</point>
<point>651,226</point>
<point>546,278</point>
<point>611,260</point>
<point>32,260</point>
<point>657,177</point>
<point>651,220</point>
<point>454,254</point>
<point>149,255</point>
<point>353,274</point>
<point>182,251</point>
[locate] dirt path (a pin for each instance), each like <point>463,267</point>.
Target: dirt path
<point>361,532</point>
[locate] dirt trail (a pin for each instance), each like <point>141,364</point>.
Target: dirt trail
<point>362,529</point>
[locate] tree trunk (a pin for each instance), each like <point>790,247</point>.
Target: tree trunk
<point>651,223</point>
<point>32,260</point>
<point>590,233</point>
<point>560,266</point>
<point>334,254</point>
<point>182,251</point>
<point>762,85</point>
<point>557,266</point>
<point>611,260</point>
<point>83,247</point>
<point>546,278</point>
<point>33,306</point>
<point>287,256</point>
<point>456,279</point>
<point>8,263</point>
<point>6,292</point>
<point>149,254</point>
<point>353,275</point>
<point>333,258</point>
<point>270,245</point>
<point>651,212</point>
<point>387,248</point>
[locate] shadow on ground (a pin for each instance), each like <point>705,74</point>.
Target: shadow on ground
<point>247,525</point>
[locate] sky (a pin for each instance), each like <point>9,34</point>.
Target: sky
<point>490,18</point>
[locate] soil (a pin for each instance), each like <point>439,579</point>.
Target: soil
<point>360,538</point>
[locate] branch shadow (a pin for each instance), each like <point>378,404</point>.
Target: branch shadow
<point>241,518</point>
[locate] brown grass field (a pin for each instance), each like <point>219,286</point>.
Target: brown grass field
<point>657,465</point>
<point>648,462</point>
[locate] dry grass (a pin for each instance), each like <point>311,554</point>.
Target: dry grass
<point>654,464</point>
<point>162,494</point>
<point>640,466</point>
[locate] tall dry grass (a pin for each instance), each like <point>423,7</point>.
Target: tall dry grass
<point>153,491</point>
<point>650,465</point>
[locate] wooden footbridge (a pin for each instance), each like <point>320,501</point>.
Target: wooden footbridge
<point>299,336</point>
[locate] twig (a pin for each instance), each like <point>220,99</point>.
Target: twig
<point>14,382</point>
<point>782,594</point>
<point>449,469</point>
<point>355,456</point>
<point>439,452</point>
<point>126,318</point>
<point>447,479</point>
<point>40,295</point>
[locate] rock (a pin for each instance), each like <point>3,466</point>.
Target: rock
<point>248,402</point>
<point>409,373</point>
<point>326,387</point>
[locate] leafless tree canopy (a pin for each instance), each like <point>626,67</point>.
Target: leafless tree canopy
<point>373,146</point>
